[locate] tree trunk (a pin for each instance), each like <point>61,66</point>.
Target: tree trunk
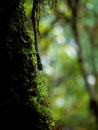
<point>20,103</point>
<point>81,59</point>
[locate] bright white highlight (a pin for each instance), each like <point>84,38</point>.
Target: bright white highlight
<point>60,102</point>
<point>91,79</point>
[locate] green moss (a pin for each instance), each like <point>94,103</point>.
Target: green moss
<point>26,90</point>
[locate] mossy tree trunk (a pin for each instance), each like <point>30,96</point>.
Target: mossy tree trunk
<point>21,104</point>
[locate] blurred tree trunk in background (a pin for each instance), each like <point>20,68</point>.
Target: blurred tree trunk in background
<point>74,6</point>
<point>20,105</point>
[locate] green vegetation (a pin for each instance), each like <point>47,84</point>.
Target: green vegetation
<point>23,93</point>
<point>68,48</point>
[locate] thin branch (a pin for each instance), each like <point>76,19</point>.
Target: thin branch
<point>35,21</point>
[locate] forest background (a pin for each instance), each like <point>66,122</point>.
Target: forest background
<point>69,53</point>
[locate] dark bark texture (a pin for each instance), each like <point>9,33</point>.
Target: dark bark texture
<point>18,73</point>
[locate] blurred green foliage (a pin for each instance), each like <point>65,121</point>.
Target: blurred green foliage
<point>59,54</point>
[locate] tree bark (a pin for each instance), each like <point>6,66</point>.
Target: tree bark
<point>20,104</point>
